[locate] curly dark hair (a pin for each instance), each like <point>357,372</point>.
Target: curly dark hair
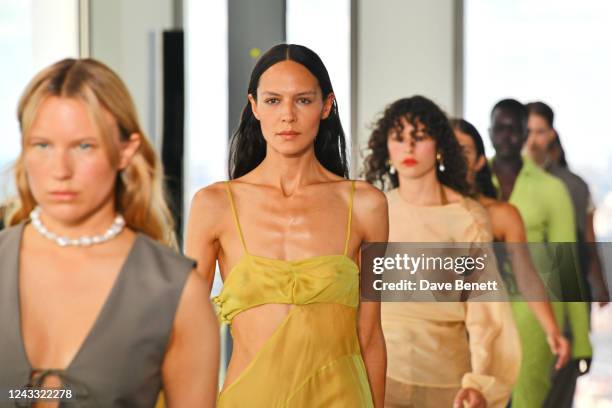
<point>416,109</point>
<point>248,146</point>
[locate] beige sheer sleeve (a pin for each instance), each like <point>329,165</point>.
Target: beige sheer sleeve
<point>495,351</point>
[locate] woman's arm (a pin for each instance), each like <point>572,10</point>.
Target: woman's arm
<point>191,364</point>
<point>529,282</point>
<point>204,228</point>
<point>371,214</point>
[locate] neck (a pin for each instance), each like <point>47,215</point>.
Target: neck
<point>474,188</point>
<point>510,164</point>
<point>423,191</point>
<point>94,223</point>
<point>290,172</point>
<point>541,159</point>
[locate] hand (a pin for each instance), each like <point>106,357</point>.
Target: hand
<point>559,346</point>
<point>470,398</point>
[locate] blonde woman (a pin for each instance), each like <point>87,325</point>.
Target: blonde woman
<point>92,298</point>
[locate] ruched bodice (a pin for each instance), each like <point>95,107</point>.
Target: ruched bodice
<point>257,280</point>
<point>313,358</point>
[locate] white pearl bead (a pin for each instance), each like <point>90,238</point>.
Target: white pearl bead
<point>114,230</point>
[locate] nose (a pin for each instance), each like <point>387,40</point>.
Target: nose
<point>62,165</point>
<point>409,144</point>
<point>288,112</point>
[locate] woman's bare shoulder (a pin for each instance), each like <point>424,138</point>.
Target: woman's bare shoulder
<point>210,202</point>
<point>505,218</point>
<point>369,197</point>
<point>500,209</point>
<point>211,195</point>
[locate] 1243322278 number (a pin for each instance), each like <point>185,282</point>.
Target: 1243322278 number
<point>47,394</point>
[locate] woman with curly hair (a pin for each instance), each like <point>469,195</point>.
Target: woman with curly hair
<point>438,353</point>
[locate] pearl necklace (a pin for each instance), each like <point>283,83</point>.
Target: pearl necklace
<point>111,232</point>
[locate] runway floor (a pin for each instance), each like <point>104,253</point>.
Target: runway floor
<point>594,390</point>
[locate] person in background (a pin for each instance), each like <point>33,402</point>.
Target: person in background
<point>441,354</point>
<point>508,227</point>
<point>94,297</point>
<point>545,149</point>
<point>546,209</point>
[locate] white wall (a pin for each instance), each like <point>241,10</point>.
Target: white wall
<point>126,35</point>
<point>404,48</point>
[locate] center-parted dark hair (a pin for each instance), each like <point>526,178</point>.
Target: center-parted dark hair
<point>543,110</point>
<point>416,109</point>
<point>248,146</point>
<point>484,179</point>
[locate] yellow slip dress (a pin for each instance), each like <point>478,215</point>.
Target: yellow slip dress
<point>313,357</point>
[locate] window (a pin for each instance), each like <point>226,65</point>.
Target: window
<point>557,52</point>
<point>332,44</point>
<point>33,34</point>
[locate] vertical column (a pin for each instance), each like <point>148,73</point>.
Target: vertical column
<point>254,27</point>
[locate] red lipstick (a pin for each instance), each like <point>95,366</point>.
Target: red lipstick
<point>409,162</point>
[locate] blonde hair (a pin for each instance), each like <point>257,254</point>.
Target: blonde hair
<point>139,190</point>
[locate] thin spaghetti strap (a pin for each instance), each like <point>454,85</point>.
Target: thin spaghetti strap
<point>350,217</point>
<point>235,214</point>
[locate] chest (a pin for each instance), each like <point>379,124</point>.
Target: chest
<point>533,210</point>
<point>506,185</point>
<point>60,301</point>
<point>291,227</point>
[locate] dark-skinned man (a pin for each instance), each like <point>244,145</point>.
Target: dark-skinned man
<point>546,209</point>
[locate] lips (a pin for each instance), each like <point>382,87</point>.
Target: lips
<point>409,162</point>
<point>288,134</point>
<point>63,195</point>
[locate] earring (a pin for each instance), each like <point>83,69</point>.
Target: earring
<point>441,166</point>
<point>392,170</point>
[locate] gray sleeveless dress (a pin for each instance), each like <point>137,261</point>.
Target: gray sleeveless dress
<point>119,363</point>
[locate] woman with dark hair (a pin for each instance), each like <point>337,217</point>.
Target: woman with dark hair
<point>557,152</point>
<point>544,147</point>
<point>301,336</point>
<point>508,227</point>
<point>402,117</point>
<point>442,353</point>
<point>479,176</point>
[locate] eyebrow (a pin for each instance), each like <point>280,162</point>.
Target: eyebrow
<point>298,94</point>
<point>38,137</point>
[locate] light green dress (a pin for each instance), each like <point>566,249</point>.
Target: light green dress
<point>546,209</point>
